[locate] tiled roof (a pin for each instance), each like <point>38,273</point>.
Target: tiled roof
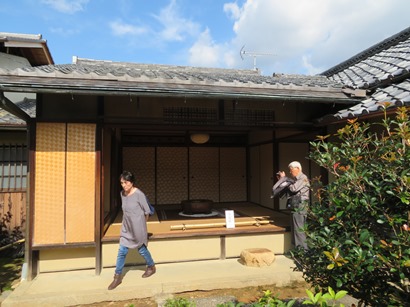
<point>32,46</point>
<point>382,70</point>
<point>104,77</point>
<point>8,119</point>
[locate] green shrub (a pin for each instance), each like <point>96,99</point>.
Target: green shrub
<point>358,228</point>
<point>179,302</point>
<point>328,299</point>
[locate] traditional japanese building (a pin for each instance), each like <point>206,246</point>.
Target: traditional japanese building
<point>190,134</point>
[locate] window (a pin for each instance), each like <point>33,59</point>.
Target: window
<point>13,167</point>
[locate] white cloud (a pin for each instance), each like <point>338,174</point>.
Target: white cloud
<point>310,69</point>
<point>175,27</point>
<point>66,6</point>
<point>305,36</point>
<point>232,10</point>
<point>63,32</point>
<point>120,28</point>
<point>204,53</point>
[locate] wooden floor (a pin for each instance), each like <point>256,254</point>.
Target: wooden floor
<point>252,219</point>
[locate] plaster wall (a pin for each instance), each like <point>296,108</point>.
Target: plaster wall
<point>191,249</point>
<point>66,259</point>
<point>278,243</point>
<point>169,250</point>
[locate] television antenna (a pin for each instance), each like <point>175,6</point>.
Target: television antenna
<point>243,53</point>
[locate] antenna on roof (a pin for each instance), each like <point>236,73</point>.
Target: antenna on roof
<point>243,53</point>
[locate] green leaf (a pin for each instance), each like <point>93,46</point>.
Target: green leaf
<point>328,254</point>
<point>364,235</point>
<point>310,294</point>
<point>340,213</point>
<point>370,268</point>
<point>318,296</point>
<point>340,294</point>
<point>330,290</point>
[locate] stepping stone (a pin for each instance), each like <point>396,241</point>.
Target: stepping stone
<point>257,257</point>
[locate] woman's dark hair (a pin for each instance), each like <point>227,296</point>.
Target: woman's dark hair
<point>127,176</point>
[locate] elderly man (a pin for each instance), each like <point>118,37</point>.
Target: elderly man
<point>298,190</point>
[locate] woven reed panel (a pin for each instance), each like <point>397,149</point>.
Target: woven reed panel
<point>233,174</point>
<point>49,183</point>
<point>204,173</point>
<point>80,184</point>
<point>141,161</point>
<point>172,175</point>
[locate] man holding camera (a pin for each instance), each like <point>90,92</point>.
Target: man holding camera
<point>297,189</point>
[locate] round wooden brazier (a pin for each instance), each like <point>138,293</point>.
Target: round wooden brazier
<point>197,206</point>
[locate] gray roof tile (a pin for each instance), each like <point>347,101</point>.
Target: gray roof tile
<point>94,77</point>
<point>92,69</point>
<point>397,95</point>
<point>27,105</point>
<point>383,70</point>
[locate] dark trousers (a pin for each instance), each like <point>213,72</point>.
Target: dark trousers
<point>298,220</point>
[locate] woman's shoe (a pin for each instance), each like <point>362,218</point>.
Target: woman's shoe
<point>117,280</point>
<point>149,271</point>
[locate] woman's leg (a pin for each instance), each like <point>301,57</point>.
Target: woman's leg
<point>144,252</point>
<point>122,254</point>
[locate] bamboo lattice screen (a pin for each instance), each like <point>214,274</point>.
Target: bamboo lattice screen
<point>64,197</point>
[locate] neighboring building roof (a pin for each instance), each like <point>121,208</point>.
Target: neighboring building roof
<point>92,76</point>
<point>30,46</point>
<point>9,120</point>
<point>383,70</point>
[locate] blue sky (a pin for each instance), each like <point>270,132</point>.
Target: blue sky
<point>292,36</point>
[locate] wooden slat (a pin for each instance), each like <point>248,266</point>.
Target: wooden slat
<point>15,204</point>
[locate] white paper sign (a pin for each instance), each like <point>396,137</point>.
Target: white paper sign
<point>230,219</point>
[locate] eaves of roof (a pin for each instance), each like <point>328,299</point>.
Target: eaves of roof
<point>31,46</point>
<point>383,71</point>
<point>369,52</point>
<point>110,78</point>
<point>384,99</point>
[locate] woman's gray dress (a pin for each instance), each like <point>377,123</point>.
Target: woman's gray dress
<point>134,226</point>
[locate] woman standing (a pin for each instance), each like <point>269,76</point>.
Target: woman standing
<point>134,227</point>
